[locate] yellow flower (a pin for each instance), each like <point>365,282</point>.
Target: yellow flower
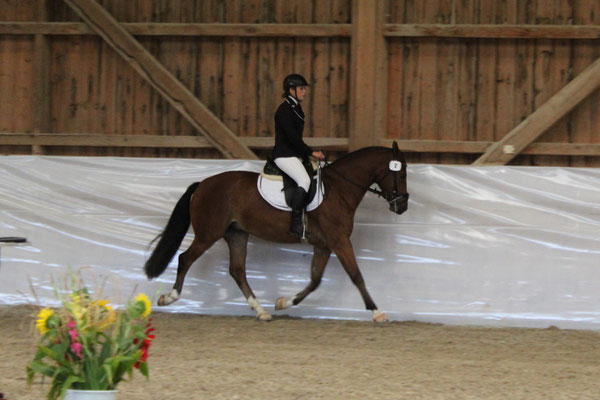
<point>76,307</point>
<point>108,315</point>
<point>43,319</point>
<point>78,312</point>
<point>144,300</point>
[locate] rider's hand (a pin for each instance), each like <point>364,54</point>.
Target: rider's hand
<point>318,155</point>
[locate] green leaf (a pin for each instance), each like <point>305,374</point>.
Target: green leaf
<point>40,367</point>
<point>109,373</point>
<point>144,369</point>
<point>68,382</point>
<point>48,352</point>
<point>90,374</point>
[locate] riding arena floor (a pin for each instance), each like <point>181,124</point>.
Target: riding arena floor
<point>213,357</point>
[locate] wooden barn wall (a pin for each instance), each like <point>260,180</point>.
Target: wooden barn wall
<point>438,88</point>
<point>93,90</point>
<point>480,89</point>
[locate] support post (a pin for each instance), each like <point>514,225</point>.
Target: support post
<point>368,88</point>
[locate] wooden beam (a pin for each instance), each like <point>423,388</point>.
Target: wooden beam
<point>182,29</point>
<point>312,30</point>
<point>368,74</point>
<point>543,118</point>
<point>467,147</point>
<point>154,141</point>
<point>330,144</point>
<point>181,98</point>
<point>494,31</point>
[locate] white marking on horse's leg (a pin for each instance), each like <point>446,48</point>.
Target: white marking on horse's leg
<point>282,303</point>
<point>169,298</point>
<point>261,314</point>
<point>379,316</point>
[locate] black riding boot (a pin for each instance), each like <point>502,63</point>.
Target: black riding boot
<point>298,205</point>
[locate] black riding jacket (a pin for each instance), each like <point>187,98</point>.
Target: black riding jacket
<point>289,125</point>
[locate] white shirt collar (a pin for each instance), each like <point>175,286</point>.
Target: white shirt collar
<point>293,99</point>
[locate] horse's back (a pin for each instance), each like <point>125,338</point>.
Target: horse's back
<point>224,187</point>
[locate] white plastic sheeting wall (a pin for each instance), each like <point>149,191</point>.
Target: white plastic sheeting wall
<point>502,246</point>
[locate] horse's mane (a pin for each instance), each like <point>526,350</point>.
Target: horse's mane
<point>357,153</point>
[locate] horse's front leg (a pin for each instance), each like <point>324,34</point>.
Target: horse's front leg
<point>345,254</point>
<point>319,261</point>
<point>237,240</point>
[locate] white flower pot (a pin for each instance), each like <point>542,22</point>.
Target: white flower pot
<point>73,394</point>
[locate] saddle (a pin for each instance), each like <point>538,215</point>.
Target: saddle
<point>272,172</point>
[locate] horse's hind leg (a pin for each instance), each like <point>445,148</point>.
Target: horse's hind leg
<point>237,240</point>
<point>186,259</point>
<point>319,261</point>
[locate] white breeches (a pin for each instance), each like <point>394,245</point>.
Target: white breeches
<point>294,168</point>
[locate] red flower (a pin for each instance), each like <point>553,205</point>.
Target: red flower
<point>145,344</point>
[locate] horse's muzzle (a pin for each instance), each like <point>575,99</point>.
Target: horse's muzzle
<point>400,204</point>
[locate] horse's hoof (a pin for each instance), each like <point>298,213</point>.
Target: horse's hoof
<point>380,317</point>
<point>161,300</point>
<point>264,317</point>
<point>280,304</point>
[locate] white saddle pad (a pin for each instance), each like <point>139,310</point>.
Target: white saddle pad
<point>272,192</point>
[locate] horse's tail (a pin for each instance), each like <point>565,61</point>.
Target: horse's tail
<point>171,237</point>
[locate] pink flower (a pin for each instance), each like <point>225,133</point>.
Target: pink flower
<point>73,334</point>
<point>72,330</point>
<point>76,347</point>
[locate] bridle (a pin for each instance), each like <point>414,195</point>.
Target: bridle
<point>394,168</point>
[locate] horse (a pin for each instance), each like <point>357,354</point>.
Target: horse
<point>229,206</point>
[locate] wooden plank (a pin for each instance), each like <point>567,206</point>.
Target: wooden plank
<point>523,58</point>
<point>369,62</point>
<point>484,120</point>
<point>332,144</point>
<point>152,141</point>
<point>498,31</point>
<point>41,78</point>
<point>268,82</point>
<point>427,111</point>
<point>339,74</point>
<point>250,13</point>
<point>467,61</point>
<point>183,29</point>
<point>551,111</point>
<point>462,147</point>
<point>585,118</point>
<point>493,31</point>
<point>161,79</point>
<point>303,59</point>
<point>321,76</point>
<point>552,71</point>
<point>232,72</point>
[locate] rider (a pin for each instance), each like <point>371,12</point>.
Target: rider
<point>290,150</point>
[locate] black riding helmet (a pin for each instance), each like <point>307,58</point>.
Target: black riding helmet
<point>293,80</point>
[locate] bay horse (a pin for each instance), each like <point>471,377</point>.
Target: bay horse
<point>229,206</point>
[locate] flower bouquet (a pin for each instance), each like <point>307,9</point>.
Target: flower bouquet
<point>86,344</point>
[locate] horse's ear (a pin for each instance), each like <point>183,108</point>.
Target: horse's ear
<point>395,149</point>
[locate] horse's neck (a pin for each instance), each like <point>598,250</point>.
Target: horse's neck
<point>359,167</point>
<point>355,173</point>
